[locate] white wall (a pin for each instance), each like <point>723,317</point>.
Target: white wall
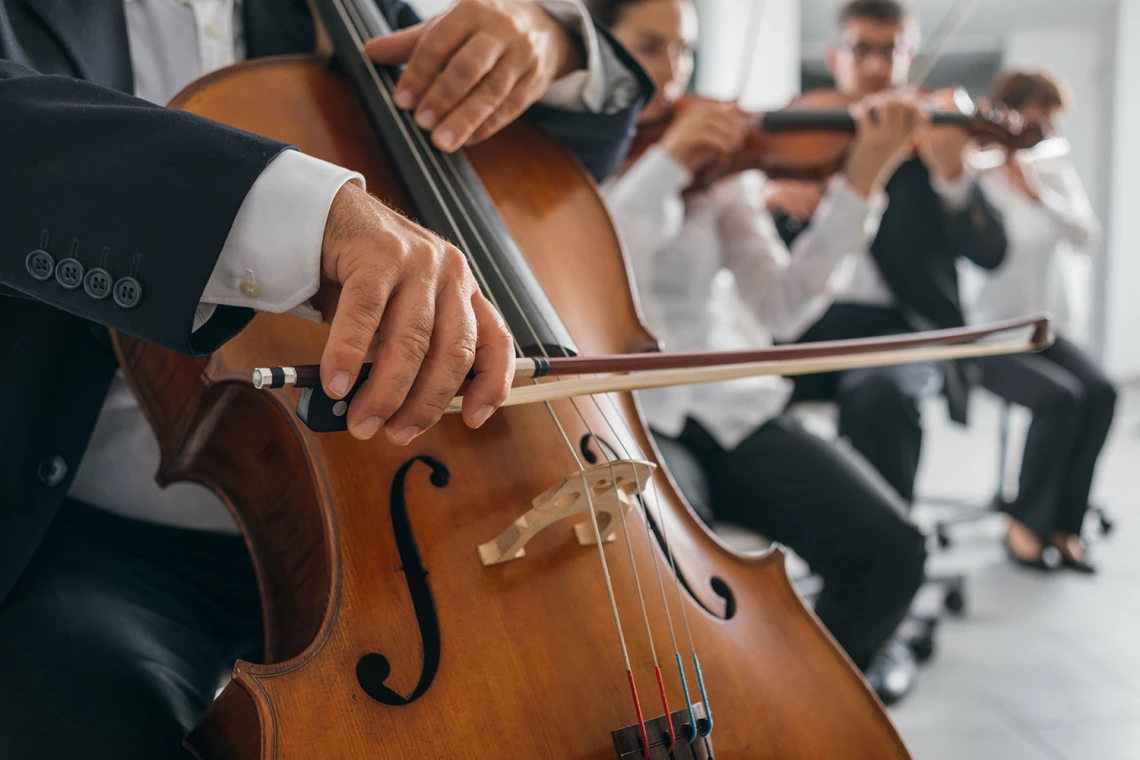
<point>773,42</point>
<point>775,74</point>
<point>429,7</point>
<point>1078,55</point>
<point>1122,276</point>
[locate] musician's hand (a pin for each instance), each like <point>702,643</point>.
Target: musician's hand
<point>795,197</point>
<point>942,150</point>
<point>705,133</point>
<point>406,300</point>
<point>476,67</point>
<point>885,128</point>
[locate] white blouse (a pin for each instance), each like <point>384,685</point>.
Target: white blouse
<point>1029,280</point>
<point>679,250</point>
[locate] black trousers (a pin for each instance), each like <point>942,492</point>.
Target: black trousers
<point>879,407</point>
<point>1072,404</point>
<point>116,637</point>
<point>828,505</point>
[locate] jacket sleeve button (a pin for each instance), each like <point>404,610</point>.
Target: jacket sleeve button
<point>52,471</point>
<point>40,265</point>
<point>97,283</point>
<point>127,292</point>
<point>69,273</point>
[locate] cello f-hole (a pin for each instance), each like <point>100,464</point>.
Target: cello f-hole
<point>724,591</point>
<point>373,669</point>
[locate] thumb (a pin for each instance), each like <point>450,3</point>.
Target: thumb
<point>395,48</point>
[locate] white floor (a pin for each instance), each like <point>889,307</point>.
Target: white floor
<point>1039,668</point>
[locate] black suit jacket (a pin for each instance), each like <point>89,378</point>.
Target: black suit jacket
<point>93,174</point>
<point>916,250</point>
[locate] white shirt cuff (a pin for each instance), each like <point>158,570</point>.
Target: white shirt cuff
<point>271,260</point>
<point>654,176</point>
<point>849,207</point>
<point>955,193</point>
<point>605,85</point>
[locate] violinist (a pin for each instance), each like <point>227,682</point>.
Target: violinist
<point>765,471</point>
<point>906,278</point>
<point>121,603</point>
<point>1045,209</point>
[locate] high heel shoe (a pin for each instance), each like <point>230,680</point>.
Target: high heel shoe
<point>1049,560</point>
<point>1080,565</point>
<point>1061,543</point>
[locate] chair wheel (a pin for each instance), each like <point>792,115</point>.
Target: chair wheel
<point>955,601</point>
<point>943,538</point>
<point>922,647</point>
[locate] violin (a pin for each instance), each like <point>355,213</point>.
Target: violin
<point>810,138</point>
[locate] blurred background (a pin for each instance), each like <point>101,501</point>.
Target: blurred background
<point>1029,668</point>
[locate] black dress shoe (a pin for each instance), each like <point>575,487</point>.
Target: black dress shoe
<point>1047,561</point>
<point>893,672</point>
<point>1080,565</point>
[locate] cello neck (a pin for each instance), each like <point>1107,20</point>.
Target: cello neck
<point>448,197</point>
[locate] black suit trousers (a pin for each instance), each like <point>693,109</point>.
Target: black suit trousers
<point>117,636</point>
<point>828,505</point>
<point>1072,404</point>
<point>879,407</point>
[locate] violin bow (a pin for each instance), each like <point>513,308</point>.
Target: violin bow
<point>941,42</point>
<point>632,372</point>
<point>752,33</point>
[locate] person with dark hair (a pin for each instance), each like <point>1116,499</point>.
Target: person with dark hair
<point>123,603</point>
<point>906,278</point>
<point>764,470</point>
<point>1046,211</point>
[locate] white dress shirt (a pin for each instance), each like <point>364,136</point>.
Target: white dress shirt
<point>271,259</point>
<point>679,248</point>
<point>867,286</point>
<point>1038,231</point>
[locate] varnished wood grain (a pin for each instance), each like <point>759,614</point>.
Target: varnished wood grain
<point>530,665</point>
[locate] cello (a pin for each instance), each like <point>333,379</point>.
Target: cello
<point>390,628</point>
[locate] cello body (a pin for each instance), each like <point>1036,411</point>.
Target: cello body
<point>385,636</point>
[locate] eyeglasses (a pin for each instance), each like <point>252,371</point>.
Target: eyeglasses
<point>861,51</point>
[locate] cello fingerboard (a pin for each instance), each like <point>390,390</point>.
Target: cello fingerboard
<point>627,740</point>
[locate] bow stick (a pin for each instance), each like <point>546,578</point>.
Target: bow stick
<point>940,42</point>
<point>692,367</point>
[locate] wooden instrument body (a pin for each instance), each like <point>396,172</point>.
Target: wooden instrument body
<point>529,664</point>
<point>810,138</point>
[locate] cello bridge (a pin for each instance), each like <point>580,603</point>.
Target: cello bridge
<point>608,487</point>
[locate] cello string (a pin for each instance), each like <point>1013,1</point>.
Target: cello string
<point>447,161</point>
<point>653,494</point>
<point>642,490</point>
<point>421,149</point>
<point>418,140</point>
